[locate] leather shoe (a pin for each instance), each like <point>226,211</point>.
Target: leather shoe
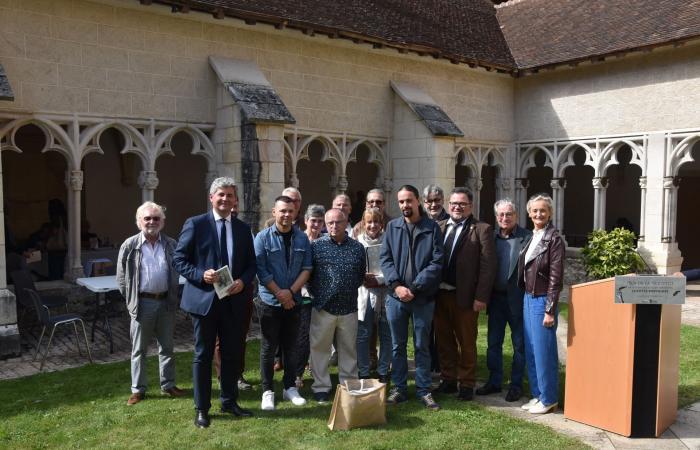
<point>135,398</point>
<point>201,419</point>
<point>173,392</point>
<point>236,410</point>
<point>465,393</point>
<point>487,389</point>
<point>446,387</point>
<point>514,394</point>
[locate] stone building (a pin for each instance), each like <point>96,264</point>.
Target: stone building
<point>107,103</point>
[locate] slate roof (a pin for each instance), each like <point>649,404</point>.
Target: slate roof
<point>510,37</point>
<point>546,32</point>
<point>260,104</point>
<point>5,88</point>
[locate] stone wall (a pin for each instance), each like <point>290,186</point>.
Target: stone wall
<point>133,60</point>
<point>655,91</point>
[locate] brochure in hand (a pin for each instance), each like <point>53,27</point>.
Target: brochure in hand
<point>225,282</point>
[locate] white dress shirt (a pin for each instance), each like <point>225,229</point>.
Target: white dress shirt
<point>229,233</point>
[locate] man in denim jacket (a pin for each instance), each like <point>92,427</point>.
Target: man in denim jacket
<point>284,261</point>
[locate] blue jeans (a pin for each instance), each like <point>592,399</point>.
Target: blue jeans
<point>153,319</point>
<point>364,333</point>
<point>500,314</point>
<point>398,313</point>
<point>541,350</point>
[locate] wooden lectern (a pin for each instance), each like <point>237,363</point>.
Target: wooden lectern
<point>622,362</point>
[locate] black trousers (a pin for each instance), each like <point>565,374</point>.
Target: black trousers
<point>225,319</point>
<point>279,327</point>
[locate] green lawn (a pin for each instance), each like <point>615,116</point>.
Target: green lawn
<point>86,407</point>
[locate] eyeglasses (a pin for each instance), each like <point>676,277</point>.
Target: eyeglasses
<point>375,202</point>
<point>505,214</point>
<point>151,219</point>
<point>459,204</point>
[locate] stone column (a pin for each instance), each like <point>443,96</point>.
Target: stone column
<point>521,185</point>
<point>643,206</point>
<point>475,185</point>
<point>670,209</point>
<point>9,333</point>
<point>148,182</point>
<point>599,187</point>
<point>341,185</point>
<point>75,187</point>
<point>658,248</point>
<point>558,185</point>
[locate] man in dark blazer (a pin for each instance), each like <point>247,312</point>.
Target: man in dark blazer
<point>207,243</point>
<point>506,305</point>
<point>469,268</point>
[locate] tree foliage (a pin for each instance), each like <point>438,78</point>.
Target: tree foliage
<point>610,253</point>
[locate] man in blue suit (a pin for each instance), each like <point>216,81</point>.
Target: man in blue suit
<point>207,243</point>
<point>506,305</point>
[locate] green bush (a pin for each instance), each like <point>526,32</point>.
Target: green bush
<point>610,253</point>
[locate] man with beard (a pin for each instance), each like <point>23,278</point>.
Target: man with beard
<point>411,261</point>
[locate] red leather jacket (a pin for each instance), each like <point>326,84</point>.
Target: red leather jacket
<point>544,273</point>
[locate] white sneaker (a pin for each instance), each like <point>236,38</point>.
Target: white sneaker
<point>541,408</point>
<point>293,396</point>
<point>533,401</point>
<point>268,401</point>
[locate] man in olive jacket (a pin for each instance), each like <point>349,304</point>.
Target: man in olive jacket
<point>469,271</point>
<point>149,283</point>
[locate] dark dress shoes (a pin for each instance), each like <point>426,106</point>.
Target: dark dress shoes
<point>446,387</point>
<point>514,394</point>
<point>236,410</point>
<point>201,419</point>
<point>488,389</point>
<point>465,393</point>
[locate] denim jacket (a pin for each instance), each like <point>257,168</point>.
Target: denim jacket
<point>272,262</point>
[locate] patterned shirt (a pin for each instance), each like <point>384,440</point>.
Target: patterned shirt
<point>339,269</point>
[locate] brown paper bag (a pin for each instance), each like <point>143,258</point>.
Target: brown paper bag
<point>358,403</point>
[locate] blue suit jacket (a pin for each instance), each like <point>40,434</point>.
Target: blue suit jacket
<point>198,251</point>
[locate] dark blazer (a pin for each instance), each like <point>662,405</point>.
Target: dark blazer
<point>475,251</point>
<point>514,293</point>
<point>198,250</point>
<point>427,258</point>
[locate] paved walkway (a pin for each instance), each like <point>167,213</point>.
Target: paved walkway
<point>684,434</point>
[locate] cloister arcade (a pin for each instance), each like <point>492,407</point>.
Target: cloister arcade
<point>101,170</point>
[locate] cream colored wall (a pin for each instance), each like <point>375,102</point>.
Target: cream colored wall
<point>107,58</point>
<point>655,91</point>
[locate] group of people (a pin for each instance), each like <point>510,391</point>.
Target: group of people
<point>326,286</point>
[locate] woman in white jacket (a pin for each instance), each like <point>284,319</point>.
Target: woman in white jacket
<point>370,299</point>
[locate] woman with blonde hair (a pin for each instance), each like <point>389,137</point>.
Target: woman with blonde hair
<point>540,274</point>
<point>370,300</point>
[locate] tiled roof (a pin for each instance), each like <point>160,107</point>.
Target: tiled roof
<point>464,31</point>
<point>5,88</point>
<point>546,32</point>
<point>515,35</point>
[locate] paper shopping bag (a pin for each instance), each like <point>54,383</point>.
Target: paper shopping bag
<point>358,403</point>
